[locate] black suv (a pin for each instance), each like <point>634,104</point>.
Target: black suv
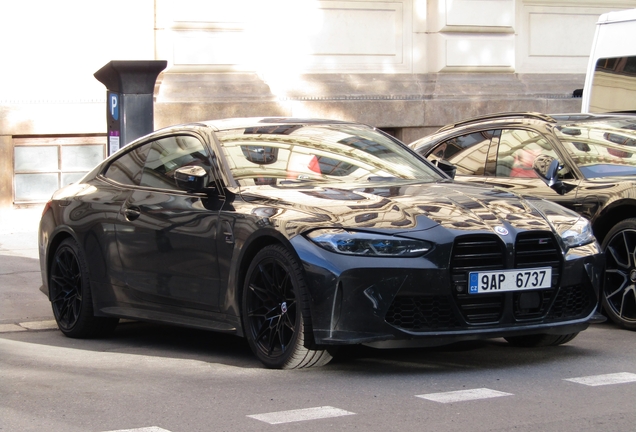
<point>582,161</point>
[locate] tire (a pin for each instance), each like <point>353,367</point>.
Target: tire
<point>70,295</point>
<point>276,316</point>
<point>540,340</point>
<point>619,286</point>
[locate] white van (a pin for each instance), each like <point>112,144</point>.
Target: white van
<point>610,83</point>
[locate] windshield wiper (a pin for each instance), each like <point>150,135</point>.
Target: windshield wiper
<point>381,178</point>
<point>302,180</point>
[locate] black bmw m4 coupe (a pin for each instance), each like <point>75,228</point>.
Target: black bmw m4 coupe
<point>303,235</point>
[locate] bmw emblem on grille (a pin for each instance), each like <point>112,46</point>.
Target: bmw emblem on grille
<point>501,230</point>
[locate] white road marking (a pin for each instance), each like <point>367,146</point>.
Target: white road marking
<point>146,429</point>
<point>599,380</point>
<point>463,395</point>
<point>300,415</point>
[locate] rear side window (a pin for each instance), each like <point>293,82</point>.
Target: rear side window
<point>127,168</point>
<point>603,148</point>
<point>467,152</point>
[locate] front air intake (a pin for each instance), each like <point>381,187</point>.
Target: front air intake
<point>472,254</point>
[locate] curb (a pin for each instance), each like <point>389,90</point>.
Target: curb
<point>28,326</point>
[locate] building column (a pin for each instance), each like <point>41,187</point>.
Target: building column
<point>6,171</point>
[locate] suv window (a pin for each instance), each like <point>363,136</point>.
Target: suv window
<point>602,149</point>
<point>518,148</point>
<point>467,152</point>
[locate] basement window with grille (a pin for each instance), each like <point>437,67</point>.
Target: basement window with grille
<point>44,164</point>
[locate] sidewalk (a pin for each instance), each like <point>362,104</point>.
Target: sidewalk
<point>22,304</point>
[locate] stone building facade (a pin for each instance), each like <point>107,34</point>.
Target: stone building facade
<point>407,66</point>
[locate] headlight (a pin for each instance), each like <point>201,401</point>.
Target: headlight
<point>365,244</point>
<point>578,234</point>
<point>573,229</point>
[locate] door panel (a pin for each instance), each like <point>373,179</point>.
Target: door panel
<point>167,237</point>
<point>167,244</point>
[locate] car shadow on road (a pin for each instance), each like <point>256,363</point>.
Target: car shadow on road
<point>173,342</point>
<point>493,354</point>
<point>183,343</point>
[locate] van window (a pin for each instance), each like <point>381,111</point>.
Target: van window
<point>614,85</point>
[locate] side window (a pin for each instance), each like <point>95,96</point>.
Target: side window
<point>127,168</point>
<point>167,155</point>
<point>467,152</point>
<point>518,148</point>
<point>613,85</point>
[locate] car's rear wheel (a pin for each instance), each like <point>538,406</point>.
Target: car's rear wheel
<point>540,340</point>
<point>275,313</point>
<point>70,294</point>
<point>619,287</point>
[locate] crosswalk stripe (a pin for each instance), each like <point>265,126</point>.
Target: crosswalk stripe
<point>300,415</point>
<point>607,379</point>
<point>144,429</point>
<point>463,395</point>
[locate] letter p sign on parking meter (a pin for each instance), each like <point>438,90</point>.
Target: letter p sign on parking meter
<point>114,142</point>
<point>113,105</point>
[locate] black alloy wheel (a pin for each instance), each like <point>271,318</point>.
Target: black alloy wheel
<point>619,288</point>
<point>70,294</point>
<point>275,316</point>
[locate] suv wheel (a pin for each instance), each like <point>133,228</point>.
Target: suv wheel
<point>619,287</point>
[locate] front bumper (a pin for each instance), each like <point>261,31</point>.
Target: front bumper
<point>415,301</point>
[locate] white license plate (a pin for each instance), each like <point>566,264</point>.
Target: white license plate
<point>509,280</point>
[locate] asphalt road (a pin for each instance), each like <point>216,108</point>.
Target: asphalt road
<point>182,380</point>
<point>20,280</point>
<point>151,378</point>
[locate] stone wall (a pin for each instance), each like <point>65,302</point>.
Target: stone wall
<point>410,104</point>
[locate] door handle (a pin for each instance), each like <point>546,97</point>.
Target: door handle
<point>132,213</point>
<point>228,233</point>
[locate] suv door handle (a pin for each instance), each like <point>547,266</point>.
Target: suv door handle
<point>228,233</point>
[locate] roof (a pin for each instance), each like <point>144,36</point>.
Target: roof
<point>617,16</point>
<point>241,123</point>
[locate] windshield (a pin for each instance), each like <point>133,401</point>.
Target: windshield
<point>292,153</point>
<point>604,148</point>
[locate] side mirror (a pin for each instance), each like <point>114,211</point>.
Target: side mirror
<point>547,168</point>
<point>191,178</point>
<point>446,167</point>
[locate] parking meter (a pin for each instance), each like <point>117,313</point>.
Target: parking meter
<point>129,99</point>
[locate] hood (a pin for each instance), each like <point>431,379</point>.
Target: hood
<point>399,207</point>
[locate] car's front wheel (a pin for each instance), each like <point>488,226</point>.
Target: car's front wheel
<point>70,294</point>
<point>619,287</point>
<point>275,313</point>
